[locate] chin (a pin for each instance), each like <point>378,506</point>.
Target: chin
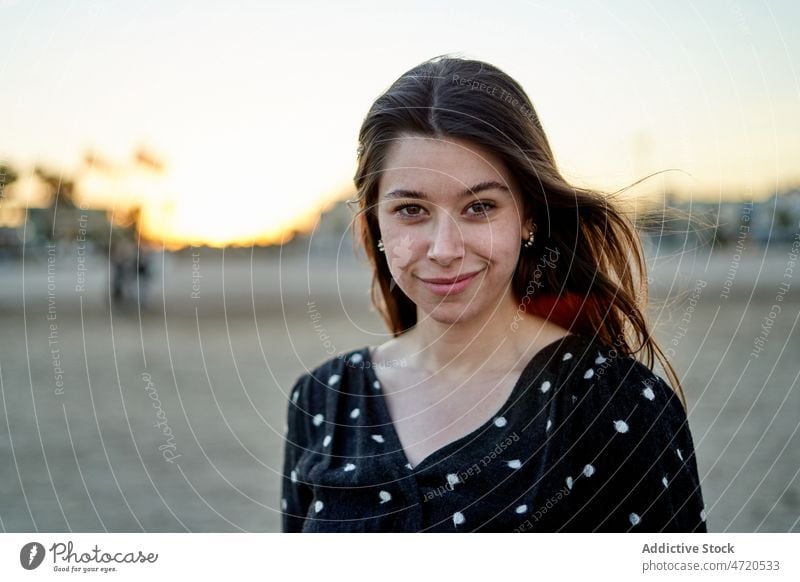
<point>450,312</point>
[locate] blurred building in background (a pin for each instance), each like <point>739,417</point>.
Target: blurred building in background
<point>331,236</point>
<point>40,207</point>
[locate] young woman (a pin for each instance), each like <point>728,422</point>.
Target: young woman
<point>509,398</point>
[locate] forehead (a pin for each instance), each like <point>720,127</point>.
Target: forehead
<point>441,165</point>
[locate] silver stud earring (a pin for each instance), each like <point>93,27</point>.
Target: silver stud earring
<point>381,248</point>
<point>529,242</point>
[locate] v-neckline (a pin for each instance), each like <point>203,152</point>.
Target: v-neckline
<point>395,436</point>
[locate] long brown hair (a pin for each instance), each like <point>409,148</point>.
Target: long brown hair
<point>598,287</point>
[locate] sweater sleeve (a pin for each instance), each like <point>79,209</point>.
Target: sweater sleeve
<point>642,475</point>
<point>295,494</point>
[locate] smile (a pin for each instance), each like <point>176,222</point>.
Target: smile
<point>441,286</point>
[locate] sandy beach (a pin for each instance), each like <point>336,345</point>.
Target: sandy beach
<point>220,338</point>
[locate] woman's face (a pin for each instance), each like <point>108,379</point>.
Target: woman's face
<point>447,209</point>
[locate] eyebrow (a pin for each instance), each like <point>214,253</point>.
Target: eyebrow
<point>480,187</point>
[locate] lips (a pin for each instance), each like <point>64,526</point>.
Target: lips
<point>451,280</point>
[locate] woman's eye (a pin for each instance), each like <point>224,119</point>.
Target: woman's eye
<point>399,209</point>
<point>415,210</point>
<point>483,207</point>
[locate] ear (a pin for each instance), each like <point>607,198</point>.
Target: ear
<point>526,228</point>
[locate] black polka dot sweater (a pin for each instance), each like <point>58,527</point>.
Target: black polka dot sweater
<point>587,441</point>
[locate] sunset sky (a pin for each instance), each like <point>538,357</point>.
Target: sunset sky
<point>255,109</point>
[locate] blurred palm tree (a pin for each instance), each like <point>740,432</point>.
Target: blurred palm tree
<point>62,189</point>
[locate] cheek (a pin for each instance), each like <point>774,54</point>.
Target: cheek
<point>496,244</point>
<point>400,251</point>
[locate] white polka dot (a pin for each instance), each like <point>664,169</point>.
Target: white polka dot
<point>703,514</point>
<point>318,418</point>
<point>376,385</point>
<point>680,455</point>
<point>458,518</point>
<point>569,482</point>
<point>377,438</point>
<point>588,471</point>
<point>326,441</point>
<point>349,467</point>
<point>648,393</point>
<point>545,386</point>
<point>293,476</point>
<point>385,496</point>
<point>354,413</point>
<point>356,358</point>
<point>599,359</point>
<point>284,505</point>
<point>549,424</point>
<point>452,479</point>
<point>318,506</point>
<point>567,356</point>
<point>521,508</point>
<point>515,464</point>
<point>589,373</point>
<point>574,399</point>
<point>295,396</point>
<point>500,421</point>
<point>621,426</point>
<point>664,481</point>
<point>634,518</point>
<point>409,467</point>
<point>334,379</point>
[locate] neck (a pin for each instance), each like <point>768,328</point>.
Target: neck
<point>488,343</point>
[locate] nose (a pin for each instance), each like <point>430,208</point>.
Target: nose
<point>447,241</point>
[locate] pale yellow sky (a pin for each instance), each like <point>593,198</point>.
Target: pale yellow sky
<point>256,108</point>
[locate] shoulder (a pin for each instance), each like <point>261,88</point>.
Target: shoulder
<point>334,374</point>
<point>315,392</point>
<point>601,364</point>
<point>620,393</point>
<point>632,460</point>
